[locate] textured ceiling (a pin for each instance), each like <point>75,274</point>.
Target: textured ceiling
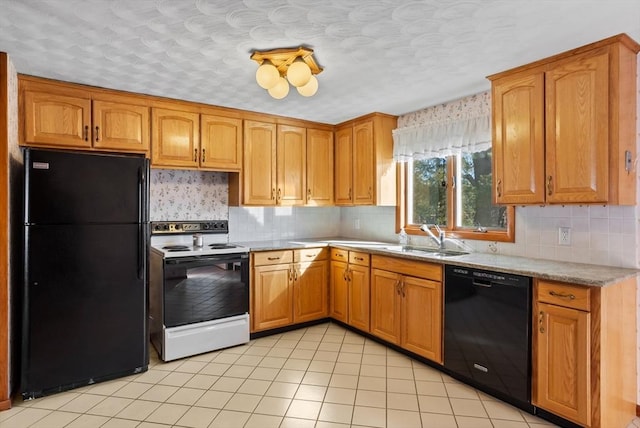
<point>378,55</point>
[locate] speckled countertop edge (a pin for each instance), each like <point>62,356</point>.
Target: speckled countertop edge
<point>575,273</point>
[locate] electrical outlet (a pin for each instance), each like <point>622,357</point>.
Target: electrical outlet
<point>564,236</point>
<point>356,224</point>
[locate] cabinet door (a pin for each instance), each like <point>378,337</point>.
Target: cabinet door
<point>221,143</point>
<point>310,291</point>
<point>57,120</point>
<point>563,362</point>
<point>319,167</point>
<point>422,317</point>
<point>259,163</point>
<point>338,291</point>
<point>120,126</point>
<point>272,296</point>
<point>385,305</point>
<point>577,130</point>
<point>175,138</point>
<point>344,166</point>
<point>292,165</point>
<point>359,303</point>
<point>518,139</point>
<point>363,164</point>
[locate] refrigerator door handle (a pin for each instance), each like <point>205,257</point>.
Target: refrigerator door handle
<point>141,222</point>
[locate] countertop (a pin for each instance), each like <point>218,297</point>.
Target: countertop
<point>575,273</point>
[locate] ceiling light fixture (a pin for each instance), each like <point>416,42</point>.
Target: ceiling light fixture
<point>281,67</point>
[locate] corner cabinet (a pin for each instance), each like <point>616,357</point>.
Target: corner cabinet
<point>365,172</point>
<point>564,128</point>
<point>406,305</point>
<point>579,371</point>
<point>70,116</point>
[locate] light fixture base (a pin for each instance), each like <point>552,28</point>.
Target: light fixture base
<point>283,58</point>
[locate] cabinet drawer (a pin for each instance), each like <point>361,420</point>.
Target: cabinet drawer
<point>568,295</point>
<point>340,255</point>
<point>358,258</point>
<point>426,270</point>
<point>272,257</point>
<point>309,254</point>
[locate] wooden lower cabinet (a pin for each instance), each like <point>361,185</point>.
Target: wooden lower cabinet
<point>287,290</point>
<point>582,369</point>
<point>407,311</point>
<point>563,362</point>
<point>272,296</point>
<point>349,288</point>
<point>310,290</point>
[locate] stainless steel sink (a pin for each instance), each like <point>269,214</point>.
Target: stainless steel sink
<point>428,251</point>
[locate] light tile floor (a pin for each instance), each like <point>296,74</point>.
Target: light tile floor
<point>323,376</point>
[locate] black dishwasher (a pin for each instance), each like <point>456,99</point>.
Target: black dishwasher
<point>487,333</point>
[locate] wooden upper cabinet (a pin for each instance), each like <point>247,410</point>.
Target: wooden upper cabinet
<point>56,120</point>
<point>363,164</point>
<point>291,155</point>
<point>344,166</point>
<point>259,163</point>
<point>175,138</point>
<point>564,128</point>
<point>221,142</point>
<point>577,131</point>
<point>365,172</point>
<point>66,115</point>
<point>518,139</point>
<point>120,126</point>
<point>319,167</point>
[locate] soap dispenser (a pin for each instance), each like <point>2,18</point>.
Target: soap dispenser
<point>402,237</point>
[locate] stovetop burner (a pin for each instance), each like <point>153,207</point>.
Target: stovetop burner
<point>221,246</point>
<point>176,248</point>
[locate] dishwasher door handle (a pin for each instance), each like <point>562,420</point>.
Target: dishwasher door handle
<point>479,283</point>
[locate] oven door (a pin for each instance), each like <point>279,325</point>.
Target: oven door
<point>205,288</point>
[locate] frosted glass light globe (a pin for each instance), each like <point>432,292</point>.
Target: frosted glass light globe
<point>298,73</point>
<point>267,75</point>
<point>280,90</point>
<point>310,88</point>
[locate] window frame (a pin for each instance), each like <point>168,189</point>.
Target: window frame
<point>452,231</point>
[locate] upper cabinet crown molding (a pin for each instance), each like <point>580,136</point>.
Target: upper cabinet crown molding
<point>564,128</point>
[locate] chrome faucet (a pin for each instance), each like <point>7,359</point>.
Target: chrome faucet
<point>426,228</point>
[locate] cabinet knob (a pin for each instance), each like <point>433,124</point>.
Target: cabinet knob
<point>273,193</point>
<point>541,321</point>
<point>309,193</point>
<point>97,134</point>
<point>549,185</point>
<point>499,188</point>
<point>86,133</point>
<point>195,155</point>
<point>203,152</point>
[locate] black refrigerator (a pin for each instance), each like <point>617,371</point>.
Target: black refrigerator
<point>84,300</point>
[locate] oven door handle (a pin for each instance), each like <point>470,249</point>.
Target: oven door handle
<point>208,260</point>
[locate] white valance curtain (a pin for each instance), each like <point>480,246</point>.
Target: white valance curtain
<point>459,126</point>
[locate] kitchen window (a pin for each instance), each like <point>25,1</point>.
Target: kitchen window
<point>453,192</point>
<point>444,171</point>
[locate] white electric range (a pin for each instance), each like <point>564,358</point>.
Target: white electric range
<point>198,288</point>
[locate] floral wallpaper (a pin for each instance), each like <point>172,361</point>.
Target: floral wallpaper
<point>188,195</point>
<point>468,107</point>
